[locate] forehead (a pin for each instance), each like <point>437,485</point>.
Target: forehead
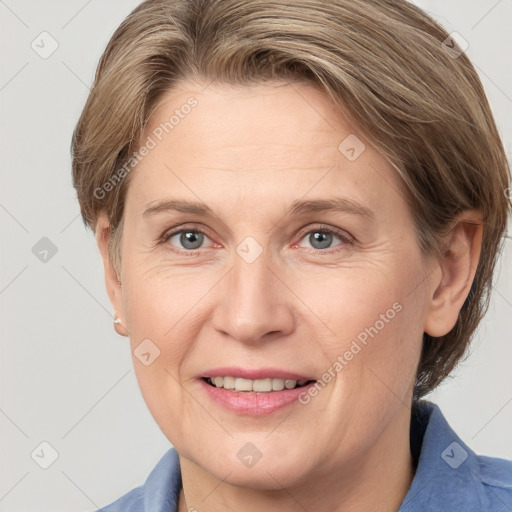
<point>266,139</point>
<point>271,115</point>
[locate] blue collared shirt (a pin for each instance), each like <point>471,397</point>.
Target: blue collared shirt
<point>449,476</point>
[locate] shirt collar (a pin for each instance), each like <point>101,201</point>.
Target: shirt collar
<point>163,485</point>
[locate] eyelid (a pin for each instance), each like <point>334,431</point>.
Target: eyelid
<point>326,228</point>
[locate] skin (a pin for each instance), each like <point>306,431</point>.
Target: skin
<point>248,153</point>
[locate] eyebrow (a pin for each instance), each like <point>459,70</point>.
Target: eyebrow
<point>299,207</point>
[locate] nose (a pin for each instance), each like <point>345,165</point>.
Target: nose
<point>253,304</point>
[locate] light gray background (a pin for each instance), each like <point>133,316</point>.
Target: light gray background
<point>67,378</point>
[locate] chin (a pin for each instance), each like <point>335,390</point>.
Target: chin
<point>272,471</point>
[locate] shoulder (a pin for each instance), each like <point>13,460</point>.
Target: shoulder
<point>495,475</point>
<point>159,492</point>
<point>449,475</point>
<point>488,484</point>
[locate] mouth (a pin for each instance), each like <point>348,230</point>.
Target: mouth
<point>268,385</point>
<point>254,391</point>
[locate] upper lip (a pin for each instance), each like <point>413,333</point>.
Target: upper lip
<point>255,373</point>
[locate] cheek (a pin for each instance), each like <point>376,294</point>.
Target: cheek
<point>160,334</point>
<point>158,299</point>
<point>374,315</point>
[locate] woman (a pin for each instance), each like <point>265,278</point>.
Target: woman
<point>299,206</point>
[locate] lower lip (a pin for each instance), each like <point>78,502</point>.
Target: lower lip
<point>253,403</point>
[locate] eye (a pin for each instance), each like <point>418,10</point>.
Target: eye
<point>189,239</point>
<point>322,238</point>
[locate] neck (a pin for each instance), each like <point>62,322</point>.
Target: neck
<point>377,479</point>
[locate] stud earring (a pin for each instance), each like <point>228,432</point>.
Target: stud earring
<point>118,326</point>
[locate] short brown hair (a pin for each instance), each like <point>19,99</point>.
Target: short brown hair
<point>385,63</point>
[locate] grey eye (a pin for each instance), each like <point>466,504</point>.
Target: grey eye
<point>189,239</point>
<point>320,239</point>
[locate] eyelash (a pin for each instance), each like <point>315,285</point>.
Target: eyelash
<point>345,238</point>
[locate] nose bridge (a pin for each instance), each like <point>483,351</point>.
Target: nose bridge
<point>254,303</point>
<point>251,275</point>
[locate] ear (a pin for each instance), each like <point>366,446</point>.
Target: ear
<point>457,264</point>
<point>112,282</point>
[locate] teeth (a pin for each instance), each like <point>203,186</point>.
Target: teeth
<point>263,386</point>
<point>243,384</point>
<point>229,383</point>
<point>290,384</point>
<point>260,385</point>
<point>277,384</point>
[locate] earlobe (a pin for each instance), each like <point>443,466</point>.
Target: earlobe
<point>119,327</point>
<point>112,282</point>
<point>458,263</point>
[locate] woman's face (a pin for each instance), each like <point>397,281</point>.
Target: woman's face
<point>263,242</point>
